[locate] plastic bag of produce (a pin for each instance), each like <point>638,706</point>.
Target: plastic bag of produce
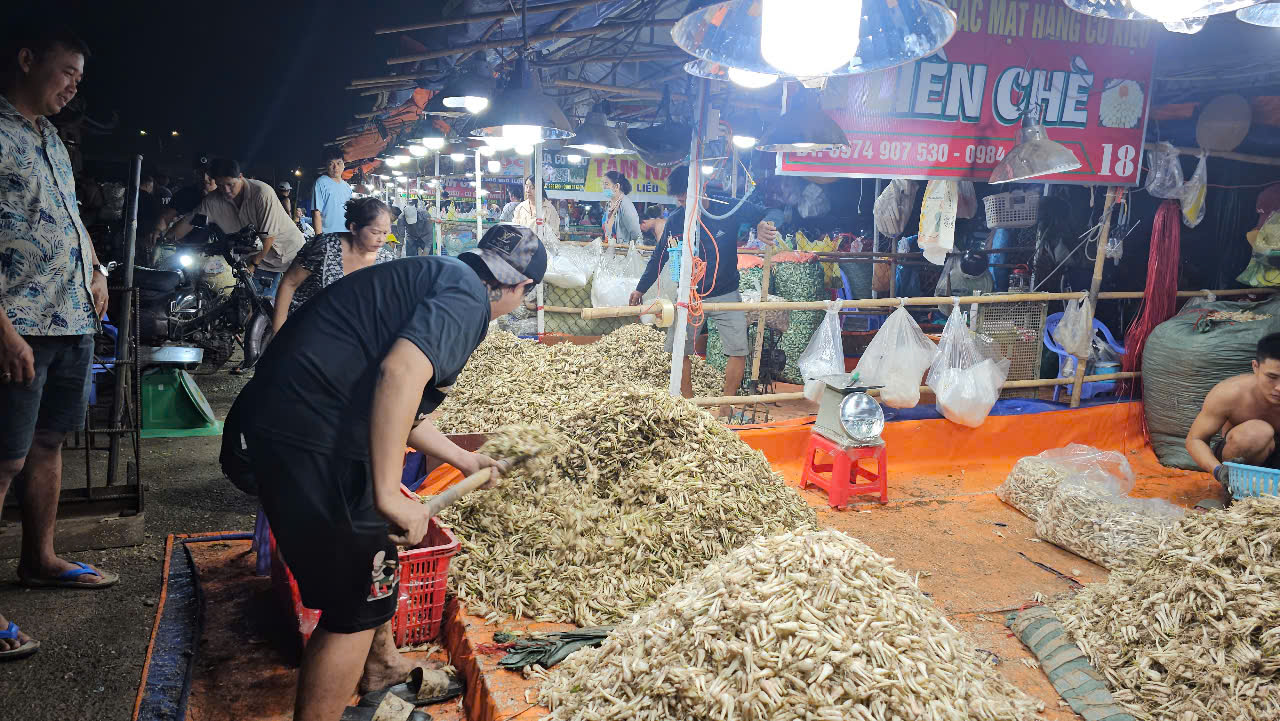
<point>615,278</point>
<point>1112,531</point>
<point>967,205</point>
<point>1075,331</point>
<point>1193,194</point>
<point>967,374</point>
<point>1033,479</point>
<point>897,359</point>
<point>1164,180</point>
<point>893,207</point>
<point>565,272</point>
<point>824,355</point>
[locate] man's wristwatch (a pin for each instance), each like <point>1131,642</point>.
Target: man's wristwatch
<point>104,270</point>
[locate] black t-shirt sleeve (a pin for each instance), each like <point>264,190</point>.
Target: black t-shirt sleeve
<point>446,327</point>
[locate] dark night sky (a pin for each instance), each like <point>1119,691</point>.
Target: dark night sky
<point>259,81</point>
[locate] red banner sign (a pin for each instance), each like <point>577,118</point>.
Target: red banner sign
<point>956,113</point>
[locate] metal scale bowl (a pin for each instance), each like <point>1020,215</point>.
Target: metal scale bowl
<point>847,414</point>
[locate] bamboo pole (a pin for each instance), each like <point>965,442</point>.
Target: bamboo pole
<point>764,295</point>
<point>1094,286</point>
<point>518,42</point>
<point>481,17</point>
<point>1007,385</point>
<point>648,94</point>
<point>1240,157</point>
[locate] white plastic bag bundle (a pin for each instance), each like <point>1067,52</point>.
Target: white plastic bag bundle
<point>1164,180</point>
<point>565,272</point>
<point>967,204</point>
<point>897,359</point>
<point>893,207</point>
<point>824,355</point>
<point>615,278</point>
<point>1034,479</point>
<point>1193,194</point>
<point>1075,331</point>
<point>967,375</point>
<point>938,220</point>
<point>813,202</point>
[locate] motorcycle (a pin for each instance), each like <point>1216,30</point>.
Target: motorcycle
<point>179,303</point>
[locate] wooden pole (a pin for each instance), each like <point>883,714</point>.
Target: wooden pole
<point>647,93</point>
<point>481,17</point>
<point>1239,157</point>
<point>518,42</point>
<point>691,214</point>
<point>764,295</point>
<point>1094,286</point>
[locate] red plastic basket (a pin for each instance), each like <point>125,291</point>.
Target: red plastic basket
<point>424,576</point>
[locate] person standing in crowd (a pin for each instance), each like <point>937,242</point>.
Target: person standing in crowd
<point>420,230</point>
<point>526,216</point>
<point>332,256</point>
<point>620,218</point>
<point>653,223</point>
<point>300,219</point>
<point>161,190</point>
<point>509,210</point>
<point>251,202</point>
<point>324,423</point>
<point>286,197</point>
<point>330,195</point>
<point>718,248</point>
<point>52,293</point>
<point>189,196</point>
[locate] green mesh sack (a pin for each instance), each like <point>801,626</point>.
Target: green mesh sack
<point>570,324</point>
<point>1185,357</point>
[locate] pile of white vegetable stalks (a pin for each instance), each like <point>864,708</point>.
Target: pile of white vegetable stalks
<point>814,626</point>
<point>630,493</point>
<point>1194,632</point>
<point>510,380</point>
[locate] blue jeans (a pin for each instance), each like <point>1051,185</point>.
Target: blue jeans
<point>55,401</point>
<point>268,282</point>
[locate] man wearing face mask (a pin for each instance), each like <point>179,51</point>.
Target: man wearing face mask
<point>324,423</point>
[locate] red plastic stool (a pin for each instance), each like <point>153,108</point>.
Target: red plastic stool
<point>842,474</point>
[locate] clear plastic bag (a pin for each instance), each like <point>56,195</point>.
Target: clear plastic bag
<point>1033,479</point>
<point>1075,331</point>
<point>813,202</point>
<point>824,355</point>
<point>565,272</point>
<point>967,205</point>
<point>615,278</point>
<point>897,359</point>
<point>967,374</point>
<point>893,207</point>
<point>1110,530</point>
<point>1193,194</point>
<point>938,220</point>
<point>1164,180</point>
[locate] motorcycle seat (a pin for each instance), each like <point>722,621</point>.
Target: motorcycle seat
<point>152,279</point>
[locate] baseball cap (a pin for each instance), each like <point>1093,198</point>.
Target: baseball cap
<point>285,186</point>
<point>512,253</point>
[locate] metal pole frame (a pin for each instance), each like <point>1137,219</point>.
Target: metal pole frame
<point>124,324</point>
<point>692,209</point>
<point>537,211</point>
<point>435,229</point>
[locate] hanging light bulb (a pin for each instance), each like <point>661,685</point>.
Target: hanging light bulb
<point>524,149</point>
<point>523,113</point>
<point>392,161</point>
<point>397,173</point>
<point>595,135</point>
<point>494,166</point>
<point>751,79</point>
<point>499,142</point>
<point>418,151</point>
<point>745,142</point>
<point>457,157</point>
<point>573,158</point>
<point>486,150</point>
<point>810,37</point>
<point>433,143</point>
<point>708,169</point>
<point>592,148</point>
<point>401,158</point>
<point>468,92</point>
<point>522,134</point>
<point>1034,155</point>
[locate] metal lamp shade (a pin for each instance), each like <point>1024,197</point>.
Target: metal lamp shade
<point>892,33</point>
<point>803,128</point>
<point>595,135</point>
<point>523,103</point>
<point>1034,155</point>
<point>1266,15</point>
<point>1123,10</point>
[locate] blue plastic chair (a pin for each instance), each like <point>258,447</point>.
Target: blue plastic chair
<point>1067,362</point>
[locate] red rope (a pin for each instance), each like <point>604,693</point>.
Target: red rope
<point>1160,300</point>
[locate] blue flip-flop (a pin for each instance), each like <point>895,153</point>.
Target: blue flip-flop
<point>26,649</point>
<point>67,579</point>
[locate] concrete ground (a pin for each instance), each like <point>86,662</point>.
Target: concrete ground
<point>94,642</point>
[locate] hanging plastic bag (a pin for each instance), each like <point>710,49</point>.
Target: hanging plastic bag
<point>813,202</point>
<point>897,359</point>
<point>893,207</point>
<point>1164,180</point>
<point>1075,331</point>
<point>938,220</point>
<point>565,272</point>
<point>1034,478</point>
<point>1193,194</point>
<point>967,204</point>
<point>967,374</point>
<point>824,355</point>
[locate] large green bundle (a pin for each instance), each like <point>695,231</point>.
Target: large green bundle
<point>794,280</point>
<point>570,324</point>
<point>1185,357</point>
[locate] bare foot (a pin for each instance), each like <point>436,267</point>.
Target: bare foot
<point>11,644</point>
<point>386,666</point>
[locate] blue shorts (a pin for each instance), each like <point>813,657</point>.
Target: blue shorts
<point>55,401</point>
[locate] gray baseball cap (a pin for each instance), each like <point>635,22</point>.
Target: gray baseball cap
<point>512,253</point>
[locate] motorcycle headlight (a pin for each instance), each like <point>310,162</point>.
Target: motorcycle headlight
<point>185,261</point>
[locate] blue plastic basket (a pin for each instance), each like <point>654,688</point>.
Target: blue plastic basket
<point>1248,481</point>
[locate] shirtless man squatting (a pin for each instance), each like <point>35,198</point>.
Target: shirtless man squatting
<point>1245,410</point>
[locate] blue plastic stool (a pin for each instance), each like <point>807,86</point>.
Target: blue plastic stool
<point>1065,359</point>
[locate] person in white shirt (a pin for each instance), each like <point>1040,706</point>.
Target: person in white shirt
<point>526,216</point>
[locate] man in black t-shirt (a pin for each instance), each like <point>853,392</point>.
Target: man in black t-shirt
<point>325,420</point>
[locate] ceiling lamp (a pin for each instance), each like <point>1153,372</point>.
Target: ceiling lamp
<point>840,37</point>
<point>708,169</point>
<point>524,149</point>
<point>751,79</point>
<point>522,113</point>
<point>1165,11</point>
<point>804,127</point>
<point>457,157</point>
<point>397,173</point>
<point>573,158</point>
<point>392,161</point>
<point>1034,154</point>
<point>418,151</point>
<point>401,158</point>
<point>494,166</point>
<point>486,150</point>
<point>595,136</point>
<point>428,134</point>
<point>1267,15</point>
<point>499,143</point>
<point>468,93</point>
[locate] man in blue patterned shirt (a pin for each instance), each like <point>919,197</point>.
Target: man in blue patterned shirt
<point>52,293</point>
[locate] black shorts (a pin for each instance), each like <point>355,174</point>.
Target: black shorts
<point>1220,445</point>
<point>320,507</point>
